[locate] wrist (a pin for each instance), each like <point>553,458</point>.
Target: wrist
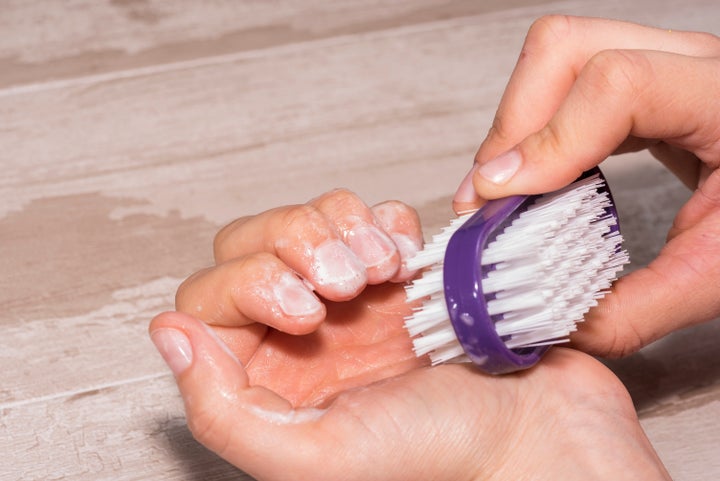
<point>583,428</point>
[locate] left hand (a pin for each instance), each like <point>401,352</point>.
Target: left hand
<point>319,390</point>
<point>300,294</point>
<point>567,418</point>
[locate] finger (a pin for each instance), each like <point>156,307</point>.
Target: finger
<point>618,94</point>
<point>402,224</point>
<point>305,240</point>
<point>676,290</point>
<point>466,199</point>
<point>555,51</point>
<point>363,341</point>
<point>362,232</point>
<point>703,203</point>
<point>255,288</point>
<point>243,342</point>
<point>246,425</point>
<point>685,165</point>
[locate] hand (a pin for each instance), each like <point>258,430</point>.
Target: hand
<point>567,418</point>
<point>260,297</point>
<point>322,389</point>
<point>584,89</point>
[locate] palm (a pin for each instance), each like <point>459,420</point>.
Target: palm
<point>453,422</point>
<point>422,416</point>
<point>361,341</point>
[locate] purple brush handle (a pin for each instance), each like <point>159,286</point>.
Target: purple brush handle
<point>462,278</point>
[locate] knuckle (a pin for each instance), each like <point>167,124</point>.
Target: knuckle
<point>394,208</point>
<point>207,428</point>
<point>221,245</point>
<point>185,296</point>
<point>550,140</point>
<point>396,216</point>
<point>620,337</point>
<point>250,268</point>
<point>625,342</point>
<point>705,39</point>
<point>498,131</point>
<point>258,260</point>
<point>545,32</point>
<point>182,296</point>
<point>340,201</point>
<point>295,220</point>
<point>619,73</point>
<point>342,195</point>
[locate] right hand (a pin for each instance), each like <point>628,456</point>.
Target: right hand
<point>584,89</point>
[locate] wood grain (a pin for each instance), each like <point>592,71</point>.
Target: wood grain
<point>47,40</point>
<point>130,131</point>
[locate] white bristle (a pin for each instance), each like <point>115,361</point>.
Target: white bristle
<point>434,252</point>
<point>549,267</point>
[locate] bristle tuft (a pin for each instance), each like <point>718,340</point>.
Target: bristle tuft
<point>548,268</point>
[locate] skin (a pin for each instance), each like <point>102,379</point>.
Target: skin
<point>275,393</point>
<point>346,342</point>
<point>599,87</point>
<point>305,368</point>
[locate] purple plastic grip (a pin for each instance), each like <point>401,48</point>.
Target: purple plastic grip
<point>462,279</point>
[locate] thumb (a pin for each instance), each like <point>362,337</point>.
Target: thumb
<point>249,426</point>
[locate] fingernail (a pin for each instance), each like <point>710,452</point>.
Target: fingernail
<point>175,348</point>
<point>294,297</point>
<point>336,266</point>
<point>372,246</point>
<point>465,193</point>
<point>408,247</point>
<point>501,169</point>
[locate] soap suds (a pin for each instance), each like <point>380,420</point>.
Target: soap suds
<point>294,297</point>
<point>335,265</point>
<point>293,416</point>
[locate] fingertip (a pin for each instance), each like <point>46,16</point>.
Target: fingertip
<point>461,208</point>
<point>530,168</point>
<point>466,194</point>
<point>402,224</point>
<point>376,250</point>
<point>180,338</point>
<point>301,326</point>
<point>175,348</point>
<point>336,272</point>
<point>466,197</point>
<point>242,423</point>
<point>408,246</point>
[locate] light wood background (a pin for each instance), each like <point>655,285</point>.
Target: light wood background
<point>131,130</point>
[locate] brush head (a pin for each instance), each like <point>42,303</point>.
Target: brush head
<point>505,282</point>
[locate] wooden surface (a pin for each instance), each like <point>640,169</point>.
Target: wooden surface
<point>131,130</point>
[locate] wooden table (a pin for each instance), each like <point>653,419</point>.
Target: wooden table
<point>131,130</point>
